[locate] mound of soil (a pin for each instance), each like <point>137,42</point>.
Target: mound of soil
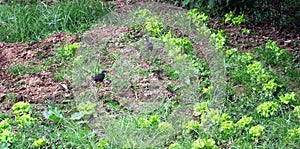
<point>34,87</point>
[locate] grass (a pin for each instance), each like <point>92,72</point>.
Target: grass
<point>116,121</point>
<point>33,22</point>
<point>22,69</point>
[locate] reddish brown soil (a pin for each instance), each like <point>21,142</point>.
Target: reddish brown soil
<point>36,87</point>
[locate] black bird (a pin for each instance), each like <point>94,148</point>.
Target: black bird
<point>100,77</point>
<point>149,45</point>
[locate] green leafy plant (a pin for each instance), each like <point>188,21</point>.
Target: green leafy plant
<point>154,26</point>
<point>288,97</point>
<point>268,109</point>
<point>165,127</point>
<point>246,31</point>
<point>227,127</point>
<point>21,108</point>
<point>244,121</point>
<point>272,54</point>
<point>192,126</point>
<point>143,123</point>
<point>41,142</point>
<point>256,131</point>
<point>229,16</point>
<point>210,116</point>
<point>197,17</point>
<point>296,111</point>
<point>23,111</point>
<point>225,117</point>
<point>6,133</point>
<point>87,108</point>
<point>67,52</point>
<point>219,39</point>
<point>204,144</point>
<point>270,87</point>
<point>199,108</point>
<point>174,146</point>
<point>102,144</point>
<point>153,120</point>
<point>54,114</point>
<point>237,21</point>
<point>25,120</point>
<point>294,134</point>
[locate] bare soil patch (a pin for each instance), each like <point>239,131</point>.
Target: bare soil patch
<point>38,87</point>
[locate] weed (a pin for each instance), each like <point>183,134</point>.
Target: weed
<point>31,22</point>
<point>22,69</point>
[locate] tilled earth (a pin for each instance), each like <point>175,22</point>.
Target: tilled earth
<point>42,87</point>
<point>35,87</point>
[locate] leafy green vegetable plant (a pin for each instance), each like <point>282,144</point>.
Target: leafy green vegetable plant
<point>268,109</point>
<point>296,111</point>
<point>67,52</point>
<point>165,127</point>
<point>39,143</point>
<point>6,133</point>
<point>288,97</point>
<point>204,144</point>
<point>228,128</point>
<point>244,121</point>
<point>199,108</point>
<point>87,108</point>
<point>256,131</point>
<point>154,26</point>
<point>23,111</point>
<point>237,21</point>
<point>54,114</point>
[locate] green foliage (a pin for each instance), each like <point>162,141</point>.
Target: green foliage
<point>87,108</point>
<point>204,144</point>
<point>174,146</point>
<point>22,108</point>
<point>153,120</point>
<point>256,131</point>
<point>143,123</point>
<point>41,142</point>
<point>237,21</point>
<point>246,31</point>
<point>22,69</point>
<point>154,26</point>
<point>296,111</point>
<point>54,114</point>
<point>182,45</point>
<point>293,135</point>
<point>268,109</point>
<point>227,127</point>
<point>219,39</point>
<point>165,127</point>
<point>244,121</point>
<point>199,108</point>
<point>192,126</point>
<point>272,54</point>
<point>32,22</point>
<point>23,111</point>
<point>270,87</point>
<point>288,97</point>
<point>225,117</point>
<point>197,17</point>
<point>6,132</point>
<point>102,144</point>
<point>67,52</point>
